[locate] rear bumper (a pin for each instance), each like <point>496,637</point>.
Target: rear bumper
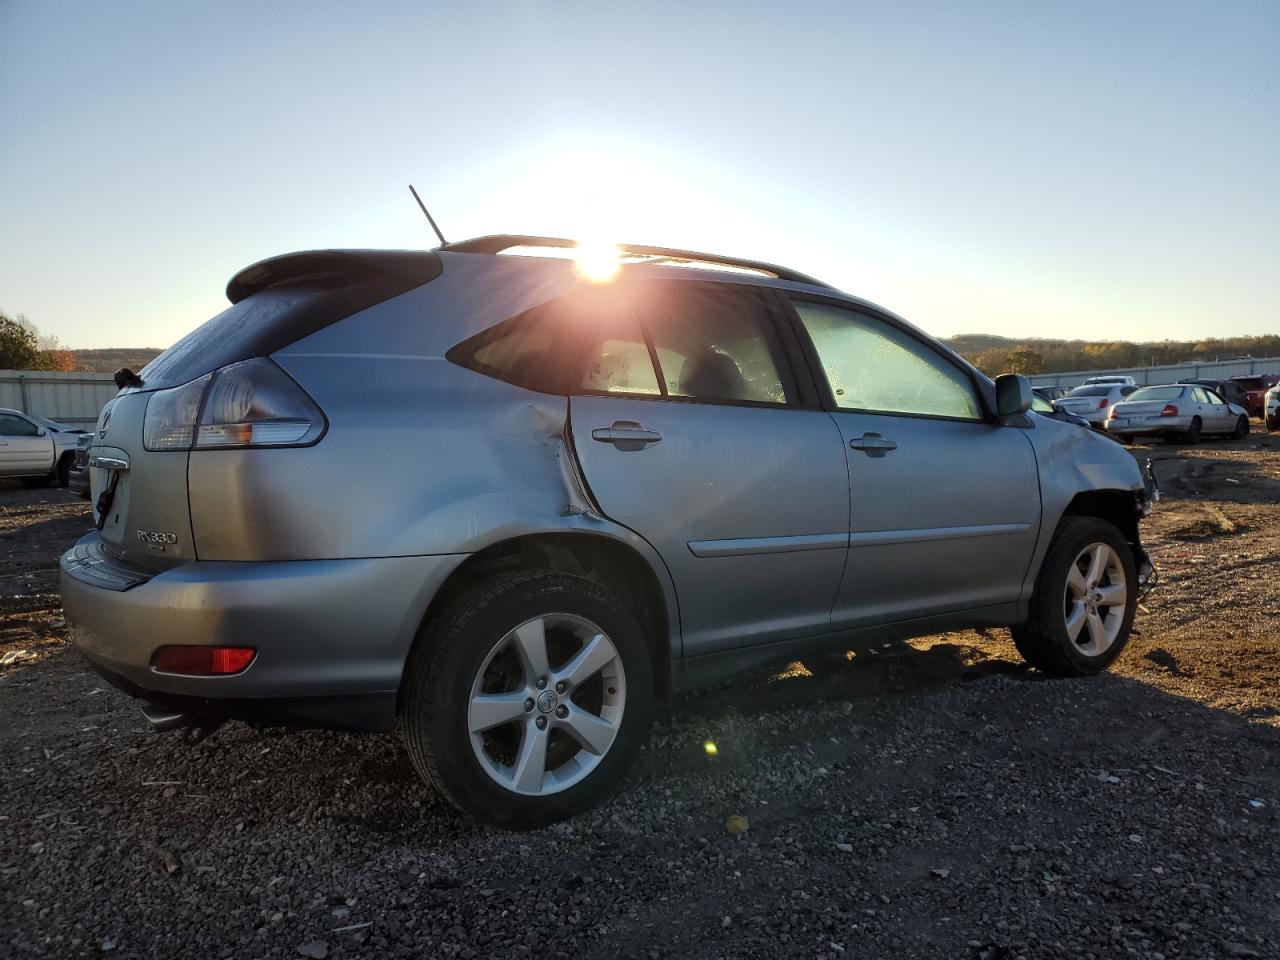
<point>331,636</point>
<point>1150,427</point>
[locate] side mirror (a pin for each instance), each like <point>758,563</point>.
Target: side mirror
<point>1013,394</point>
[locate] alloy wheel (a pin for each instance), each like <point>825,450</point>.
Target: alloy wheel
<point>546,704</point>
<point>1095,598</point>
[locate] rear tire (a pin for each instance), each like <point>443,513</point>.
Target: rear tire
<point>1080,617</point>
<point>479,653</point>
<point>1194,433</point>
<point>1272,423</point>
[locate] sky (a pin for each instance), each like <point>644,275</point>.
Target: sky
<point>1071,169</point>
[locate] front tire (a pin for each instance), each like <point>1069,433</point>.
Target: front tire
<point>527,697</point>
<point>1242,428</point>
<point>1084,601</point>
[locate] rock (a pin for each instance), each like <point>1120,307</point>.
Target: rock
<point>845,847</point>
<point>737,824</point>
<point>941,872</point>
<point>316,949</point>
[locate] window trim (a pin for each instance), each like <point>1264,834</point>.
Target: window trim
<point>823,385</point>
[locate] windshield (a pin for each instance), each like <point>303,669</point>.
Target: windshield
<point>1156,393</point>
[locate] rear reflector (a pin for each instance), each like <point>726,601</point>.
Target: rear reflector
<point>202,661</point>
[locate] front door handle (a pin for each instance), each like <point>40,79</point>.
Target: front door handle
<point>873,445</point>
<point>626,435</point>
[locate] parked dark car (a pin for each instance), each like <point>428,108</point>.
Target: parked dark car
<point>1228,390</point>
<point>1046,409</point>
<point>1051,393</point>
<point>1255,389</point>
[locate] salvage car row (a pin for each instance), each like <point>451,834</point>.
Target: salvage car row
<point>1184,411</point>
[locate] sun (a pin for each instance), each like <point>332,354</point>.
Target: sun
<point>596,261</point>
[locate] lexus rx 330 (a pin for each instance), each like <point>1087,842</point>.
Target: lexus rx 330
<point>505,505</point>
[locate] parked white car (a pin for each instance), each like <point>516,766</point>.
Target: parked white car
<point>1093,401</point>
<point>1271,408</point>
<point>1177,411</point>
<point>36,449</point>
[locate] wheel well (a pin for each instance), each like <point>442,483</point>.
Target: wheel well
<point>1117,507</point>
<point>612,565</point>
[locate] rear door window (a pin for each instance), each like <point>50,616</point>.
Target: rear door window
<point>688,341</point>
<point>715,344</point>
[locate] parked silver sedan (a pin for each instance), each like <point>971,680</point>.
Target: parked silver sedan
<point>1091,402</point>
<point>1180,411</point>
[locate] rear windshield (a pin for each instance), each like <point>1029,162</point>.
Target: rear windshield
<point>1091,391</point>
<point>289,309</point>
<point>1249,383</point>
<point>1156,393</point>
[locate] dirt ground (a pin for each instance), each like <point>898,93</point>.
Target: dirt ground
<point>940,800</point>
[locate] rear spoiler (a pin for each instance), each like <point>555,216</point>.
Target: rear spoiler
<point>403,269</point>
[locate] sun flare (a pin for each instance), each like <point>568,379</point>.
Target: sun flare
<point>596,261</point>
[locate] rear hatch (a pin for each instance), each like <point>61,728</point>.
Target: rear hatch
<point>139,495</point>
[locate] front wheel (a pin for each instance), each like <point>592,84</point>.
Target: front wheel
<point>1242,428</point>
<point>1272,423</point>
<point>527,698</point>
<point>1084,601</point>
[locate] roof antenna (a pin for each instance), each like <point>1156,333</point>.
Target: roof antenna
<point>428,215</point>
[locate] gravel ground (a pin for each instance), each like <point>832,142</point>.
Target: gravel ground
<point>937,800</point>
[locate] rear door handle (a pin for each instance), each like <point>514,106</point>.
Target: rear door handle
<point>873,445</point>
<point>626,435</point>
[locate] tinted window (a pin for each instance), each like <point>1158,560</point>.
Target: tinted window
<point>11,426</point>
<point>714,343</point>
<point>1090,392</point>
<point>535,349</point>
<point>871,365</point>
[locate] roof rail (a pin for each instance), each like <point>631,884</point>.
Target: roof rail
<point>499,242</point>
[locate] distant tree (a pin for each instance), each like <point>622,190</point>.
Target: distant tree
<point>18,349</point>
<point>1023,359</point>
<point>992,361</point>
<point>23,347</point>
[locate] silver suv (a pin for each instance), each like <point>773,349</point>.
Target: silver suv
<point>506,504</point>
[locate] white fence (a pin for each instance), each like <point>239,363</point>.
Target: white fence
<point>73,398</point>
<point>1204,370</point>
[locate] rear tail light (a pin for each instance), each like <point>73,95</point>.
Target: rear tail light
<point>1169,410</point>
<point>1102,404</point>
<point>248,404</point>
<point>1111,414</point>
<point>202,661</point>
